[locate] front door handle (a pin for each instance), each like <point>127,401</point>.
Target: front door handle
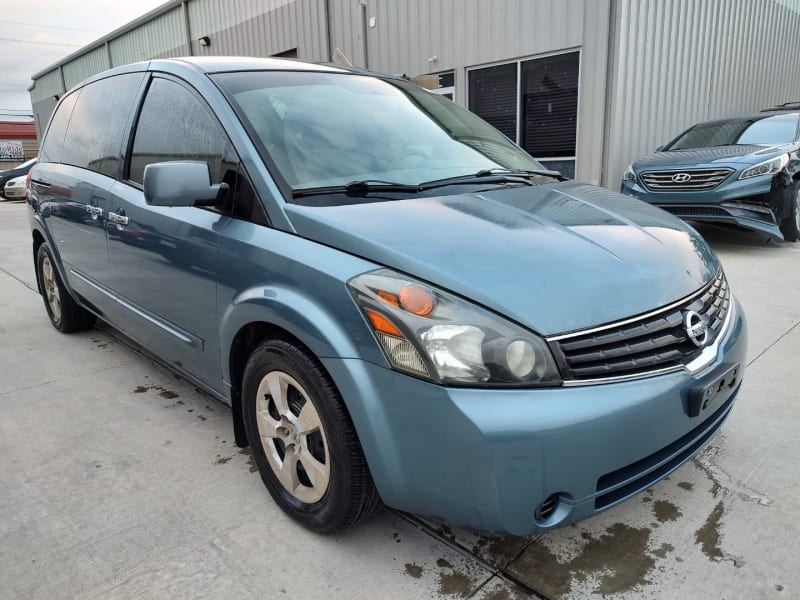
<point>95,211</point>
<point>119,218</point>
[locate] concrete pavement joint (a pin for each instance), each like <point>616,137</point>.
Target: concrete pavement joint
<point>31,288</point>
<point>495,571</point>
<point>76,376</point>
<point>765,350</point>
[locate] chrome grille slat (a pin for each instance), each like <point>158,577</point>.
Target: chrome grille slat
<point>700,179</point>
<point>654,343</point>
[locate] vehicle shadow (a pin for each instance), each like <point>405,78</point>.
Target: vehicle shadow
<point>728,238</point>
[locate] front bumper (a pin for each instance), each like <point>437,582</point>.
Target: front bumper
<point>14,193</point>
<point>485,459</point>
<point>736,202</point>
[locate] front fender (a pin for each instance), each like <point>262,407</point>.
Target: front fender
<point>329,330</point>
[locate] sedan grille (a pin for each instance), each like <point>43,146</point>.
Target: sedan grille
<point>686,181</point>
<point>697,211</point>
<point>653,343</point>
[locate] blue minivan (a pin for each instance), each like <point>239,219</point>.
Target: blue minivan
<point>398,304</point>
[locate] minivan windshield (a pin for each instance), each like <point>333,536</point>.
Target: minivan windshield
<point>330,129</point>
<point>760,131</point>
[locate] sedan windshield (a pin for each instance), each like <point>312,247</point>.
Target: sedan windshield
<point>762,131</point>
<point>330,129</point>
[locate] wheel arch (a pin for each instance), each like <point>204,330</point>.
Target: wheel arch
<point>271,312</point>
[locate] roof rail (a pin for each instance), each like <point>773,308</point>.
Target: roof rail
<point>794,105</point>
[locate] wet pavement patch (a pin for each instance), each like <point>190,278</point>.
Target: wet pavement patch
<point>414,570</point>
<point>708,536</point>
<point>453,582</point>
<point>221,460</point>
<point>498,552</point>
<point>252,463</point>
<point>686,486</point>
<point>664,511</point>
<point>617,561</point>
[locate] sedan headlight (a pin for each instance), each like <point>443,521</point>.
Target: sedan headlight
<point>437,336</point>
<point>629,174</point>
<point>768,167</point>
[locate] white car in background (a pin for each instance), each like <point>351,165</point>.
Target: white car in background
<point>15,188</point>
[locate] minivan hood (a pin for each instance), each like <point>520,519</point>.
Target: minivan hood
<point>555,257</point>
<point>710,157</point>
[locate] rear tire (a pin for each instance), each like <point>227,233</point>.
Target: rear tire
<point>790,225</point>
<point>65,314</point>
<point>303,441</point>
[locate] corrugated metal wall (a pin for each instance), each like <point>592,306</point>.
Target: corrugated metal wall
<point>85,66</point>
<point>162,36</point>
<point>234,27</point>
<point>406,36</point>
<point>677,62</point>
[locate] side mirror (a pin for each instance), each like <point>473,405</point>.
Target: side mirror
<point>182,183</point>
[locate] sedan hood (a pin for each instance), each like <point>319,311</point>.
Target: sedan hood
<point>555,258</point>
<point>709,157</point>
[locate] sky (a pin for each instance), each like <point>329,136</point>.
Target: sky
<point>34,34</point>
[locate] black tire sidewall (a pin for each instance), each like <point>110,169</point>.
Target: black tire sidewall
<point>789,224</point>
<point>280,355</point>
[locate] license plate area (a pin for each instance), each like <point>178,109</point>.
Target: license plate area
<point>704,396</point>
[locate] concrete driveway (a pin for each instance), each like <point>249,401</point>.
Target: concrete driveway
<point>120,480</point>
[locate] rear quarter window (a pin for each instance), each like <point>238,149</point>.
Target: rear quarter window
<point>54,138</point>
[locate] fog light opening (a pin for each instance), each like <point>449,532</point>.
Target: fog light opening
<point>546,509</point>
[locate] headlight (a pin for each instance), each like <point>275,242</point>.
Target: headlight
<point>629,175</point>
<point>435,335</point>
<point>768,167</point>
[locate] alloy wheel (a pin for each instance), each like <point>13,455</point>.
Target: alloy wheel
<point>293,437</point>
<point>51,288</point>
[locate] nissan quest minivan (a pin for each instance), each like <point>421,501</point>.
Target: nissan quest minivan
<point>398,304</point>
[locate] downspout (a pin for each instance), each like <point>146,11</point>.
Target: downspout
<point>186,28</point>
<point>63,82</point>
<point>364,27</point>
<point>610,56</point>
<point>327,8</point>
<point>108,55</point>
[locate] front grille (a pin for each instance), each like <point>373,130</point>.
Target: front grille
<point>696,211</point>
<point>654,342</point>
<point>687,181</point>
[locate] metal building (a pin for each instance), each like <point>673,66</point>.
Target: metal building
<point>584,85</point>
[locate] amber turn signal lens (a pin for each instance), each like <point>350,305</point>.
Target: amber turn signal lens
<point>382,324</point>
<point>389,298</point>
<point>416,300</point>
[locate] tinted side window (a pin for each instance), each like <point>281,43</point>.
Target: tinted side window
<point>175,125</point>
<point>54,138</point>
<point>95,133</point>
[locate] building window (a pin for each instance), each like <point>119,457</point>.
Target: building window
<point>535,103</point>
<point>493,93</point>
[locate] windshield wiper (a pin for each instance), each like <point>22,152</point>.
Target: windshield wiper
<point>358,188</point>
<point>492,176</point>
<point>520,173</point>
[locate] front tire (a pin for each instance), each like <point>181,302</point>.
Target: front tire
<point>303,441</point>
<point>790,225</point>
<point>65,314</point>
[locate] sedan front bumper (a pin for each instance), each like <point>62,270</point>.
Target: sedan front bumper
<point>740,202</point>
